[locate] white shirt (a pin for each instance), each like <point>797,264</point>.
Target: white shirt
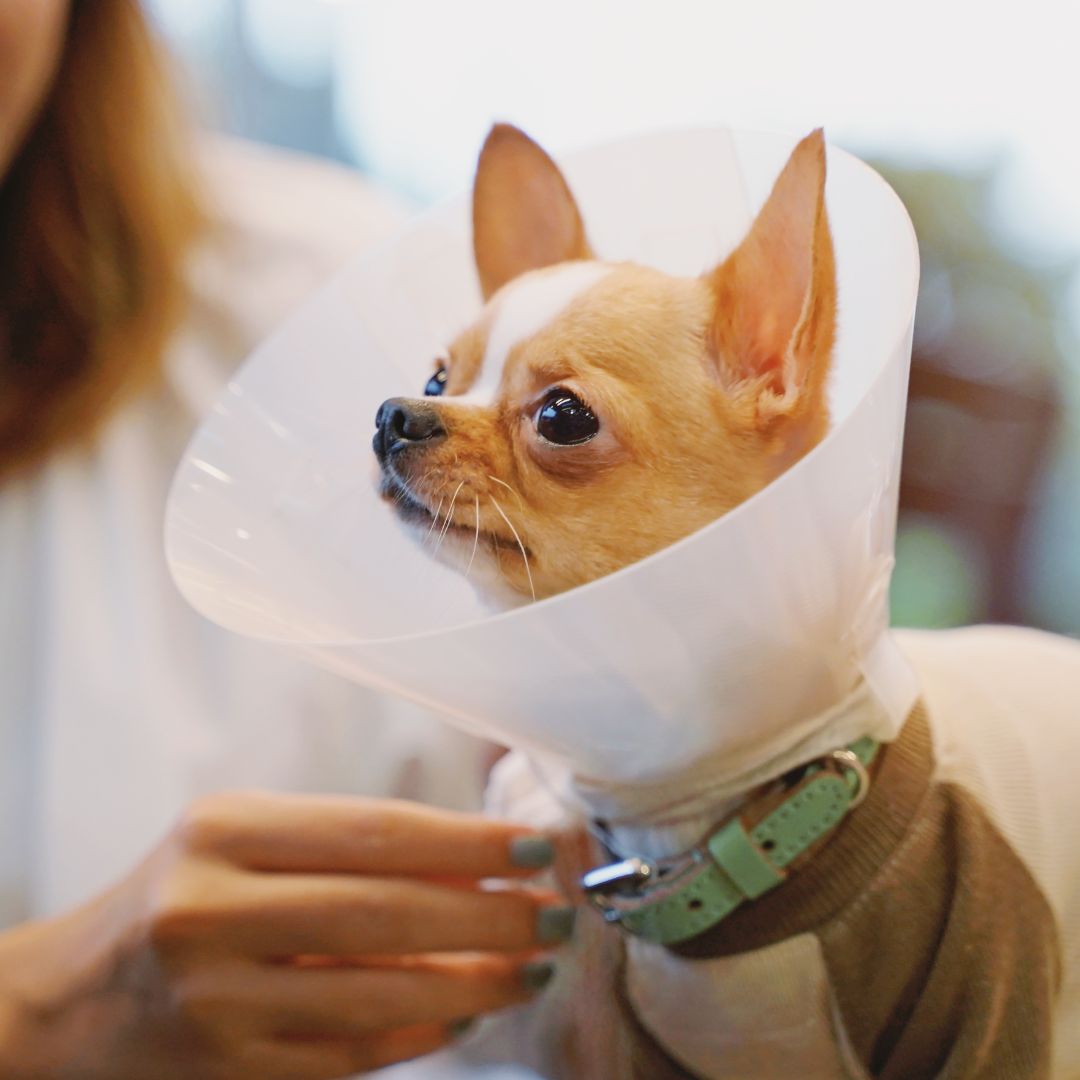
<point>118,703</point>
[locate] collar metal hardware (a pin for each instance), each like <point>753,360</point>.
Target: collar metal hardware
<point>617,876</point>
<point>672,900</point>
<point>848,759</point>
<point>599,884</point>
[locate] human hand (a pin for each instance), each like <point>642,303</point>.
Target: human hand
<point>282,936</point>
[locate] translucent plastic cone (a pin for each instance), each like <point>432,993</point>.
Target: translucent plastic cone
<point>274,528</point>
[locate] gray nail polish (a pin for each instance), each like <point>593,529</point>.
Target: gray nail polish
<point>537,975</point>
<point>531,852</point>
<point>555,925</point>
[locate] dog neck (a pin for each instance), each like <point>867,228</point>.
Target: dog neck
<point>671,814</point>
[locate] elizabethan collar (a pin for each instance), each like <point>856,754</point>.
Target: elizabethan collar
<point>274,528</point>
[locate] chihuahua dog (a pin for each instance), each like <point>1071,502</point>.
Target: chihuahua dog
<point>596,412</point>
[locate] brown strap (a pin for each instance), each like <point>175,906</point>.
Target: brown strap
<point>837,870</point>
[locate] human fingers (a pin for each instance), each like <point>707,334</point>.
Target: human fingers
<point>281,1058</point>
<point>347,1003</point>
<point>270,916</point>
<point>323,834</point>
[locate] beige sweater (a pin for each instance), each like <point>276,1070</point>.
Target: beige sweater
<point>937,934</point>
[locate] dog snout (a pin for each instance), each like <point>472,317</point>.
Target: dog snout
<point>401,423</point>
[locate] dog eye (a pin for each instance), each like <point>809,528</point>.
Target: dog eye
<point>565,419</point>
<point>437,383</point>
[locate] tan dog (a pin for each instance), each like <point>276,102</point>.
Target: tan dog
<point>595,412</point>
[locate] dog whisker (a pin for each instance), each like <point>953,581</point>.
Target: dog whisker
<point>504,484</point>
<point>524,553</point>
<point>476,540</point>
<point>434,519</point>
<point>449,517</point>
<point>402,487</point>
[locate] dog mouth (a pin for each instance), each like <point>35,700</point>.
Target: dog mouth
<point>411,509</point>
<point>406,505</point>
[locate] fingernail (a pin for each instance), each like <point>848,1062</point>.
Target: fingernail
<point>460,1028</point>
<point>531,852</point>
<point>555,925</point>
<point>537,975</point>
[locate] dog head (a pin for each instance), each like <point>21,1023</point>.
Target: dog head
<point>596,412</point>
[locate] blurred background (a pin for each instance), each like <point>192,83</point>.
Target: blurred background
<point>970,115</point>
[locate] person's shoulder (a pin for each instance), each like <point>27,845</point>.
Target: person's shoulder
<point>280,225</point>
<point>286,199</point>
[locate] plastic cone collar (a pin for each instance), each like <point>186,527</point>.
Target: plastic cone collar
<point>713,647</point>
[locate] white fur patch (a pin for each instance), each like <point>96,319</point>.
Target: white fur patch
<point>524,308</point>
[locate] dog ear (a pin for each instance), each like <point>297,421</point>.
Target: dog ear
<point>774,319</point>
<point>524,216</point>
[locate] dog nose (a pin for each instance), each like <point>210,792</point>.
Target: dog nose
<point>404,422</point>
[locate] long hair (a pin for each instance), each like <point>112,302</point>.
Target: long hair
<point>97,213</point>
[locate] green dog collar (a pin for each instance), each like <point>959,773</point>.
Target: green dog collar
<point>677,899</point>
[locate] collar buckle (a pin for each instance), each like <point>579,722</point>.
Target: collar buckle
<point>673,900</point>
<point>615,877</point>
